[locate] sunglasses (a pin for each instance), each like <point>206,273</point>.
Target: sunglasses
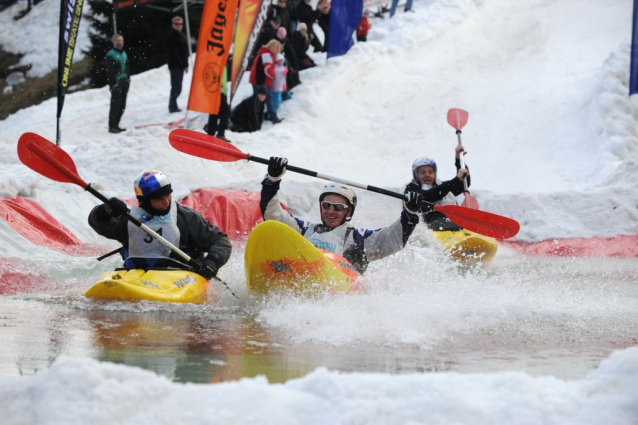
<point>337,207</point>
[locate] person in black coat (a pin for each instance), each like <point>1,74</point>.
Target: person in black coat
<point>324,21</point>
<point>280,10</point>
<point>249,114</point>
<point>307,15</point>
<point>177,49</point>
<point>268,32</point>
<point>300,41</point>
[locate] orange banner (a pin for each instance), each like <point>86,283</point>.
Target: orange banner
<point>251,17</point>
<point>213,46</point>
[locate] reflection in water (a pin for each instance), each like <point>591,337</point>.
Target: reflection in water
<point>418,313</point>
<point>191,347</point>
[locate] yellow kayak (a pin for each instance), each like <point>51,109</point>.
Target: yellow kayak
<point>467,245</point>
<point>176,286</point>
<point>278,257</point>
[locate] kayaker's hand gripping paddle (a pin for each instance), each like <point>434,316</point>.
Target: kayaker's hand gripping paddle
<point>457,118</point>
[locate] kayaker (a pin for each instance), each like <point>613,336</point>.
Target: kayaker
<point>433,191</point>
<point>336,207</point>
<point>182,226</point>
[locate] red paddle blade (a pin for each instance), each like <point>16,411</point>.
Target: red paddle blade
<point>48,159</point>
<point>457,118</point>
<point>470,201</point>
<point>485,223</point>
<point>204,146</point>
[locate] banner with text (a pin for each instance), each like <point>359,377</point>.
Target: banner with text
<point>251,18</point>
<point>70,16</point>
<point>213,47</point>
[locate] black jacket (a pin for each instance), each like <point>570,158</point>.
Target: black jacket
<point>248,115</point>
<point>306,14</point>
<point>324,23</point>
<point>282,13</point>
<point>436,220</point>
<point>177,49</point>
<point>197,236</point>
<point>300,45</point>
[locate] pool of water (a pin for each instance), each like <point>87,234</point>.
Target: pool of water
<point>420,312</point>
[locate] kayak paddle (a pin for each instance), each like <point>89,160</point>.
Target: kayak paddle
<point>457,118</point>
<point>48,159</point>
<point>209,147</point>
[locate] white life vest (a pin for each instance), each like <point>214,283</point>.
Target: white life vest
<point>143,245</point>
<point>336,240</point>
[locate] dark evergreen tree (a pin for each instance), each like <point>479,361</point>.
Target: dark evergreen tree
<point>144,30</point>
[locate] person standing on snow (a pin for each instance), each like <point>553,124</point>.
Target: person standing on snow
<point>118,77</point>
<point>432,190</point>
<point>363,27</point>
<point>262,73</point>
<point>182,226</point>
<point>279,82</point>
<point>177,49</point>
<point>218,123</point>
<point>336,207</point>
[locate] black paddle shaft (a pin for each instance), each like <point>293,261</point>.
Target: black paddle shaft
<point>330,178</point>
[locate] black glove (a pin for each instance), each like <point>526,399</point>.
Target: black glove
<point>116,207</point>
<point>208,270</point>
<point>412,200</point>
<point>277,167</point>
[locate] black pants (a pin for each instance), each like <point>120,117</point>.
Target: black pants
<point>217,124</point>
<point>118,103</point>
<point>177,75</point>
<point>362,38</point>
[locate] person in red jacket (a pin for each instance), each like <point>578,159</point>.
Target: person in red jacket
<point>364,27</point>
<point>263,72</point>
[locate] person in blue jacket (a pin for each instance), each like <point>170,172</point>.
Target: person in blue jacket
<point>118,77</point>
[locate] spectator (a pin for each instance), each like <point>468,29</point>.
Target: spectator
<point>118,77</point>
<point>292,78</point>
<point>177,48</point>
<point>217,123</point>
<point>280,10</point>
<point>269,32</point>
<point>308,16</point>
<point>395,3</point>
<point>291,5</point>
<point>300,42</point>
<point>279,82</point>
<point>249,114</point>
<point>262,74</point>
<point>364,27</point>
<point>323,7</point>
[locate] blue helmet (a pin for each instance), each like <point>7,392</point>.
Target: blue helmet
<point>420,162</point>
<point>152,184</point>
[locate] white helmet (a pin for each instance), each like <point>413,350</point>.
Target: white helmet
<point>341,190</point>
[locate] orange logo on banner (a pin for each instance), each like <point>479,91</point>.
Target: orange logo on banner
<point>213,46</point>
